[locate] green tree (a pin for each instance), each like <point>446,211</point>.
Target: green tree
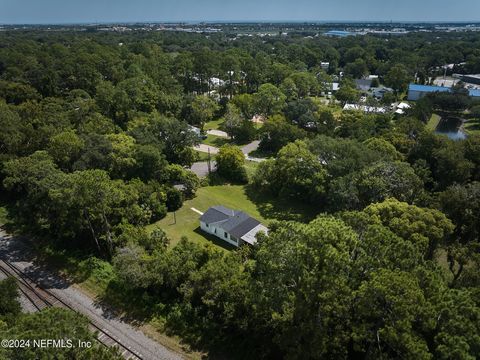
<point>55,323</point>
<point>383,147</point>
<point>269,100</point>
<point>347,94</point>
<point>230,163</point>
<point>296,173</point>
<point>203,110</point>
<point>246,104</point>
<point>240,129</point>
<point>357,69</point>
<point>426,228</point>
<point>9,305</point>
<point>388,308</point>
<point>398,78</point>
<point>277,132</point>
<point>300,290</point>
<point>65,148</point>
<point>122,158</point>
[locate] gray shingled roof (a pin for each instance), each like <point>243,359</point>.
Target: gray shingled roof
<point>216,214</point>
<point>236,223</point>
<point>244,227</point>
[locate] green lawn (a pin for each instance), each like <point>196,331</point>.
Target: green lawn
<point>233,196</point>
<point>3,215</point>
<point>251,166</point>
<point>433,122</point>
<point>472,127</point>
<point>214,125</point>
<point>203,156</point>
<point>216,141</point>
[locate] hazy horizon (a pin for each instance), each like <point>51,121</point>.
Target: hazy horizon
<point>191,11</point>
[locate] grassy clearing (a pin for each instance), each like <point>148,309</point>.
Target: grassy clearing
<point>433,122</point>
<point>89,273</point>
<point>214,125</point>
<point>232,196</point>
<point>472,127</point>
<point>216,141</point>
<point>203,156</point>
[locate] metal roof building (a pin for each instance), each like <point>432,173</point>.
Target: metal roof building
<point>416,91</point>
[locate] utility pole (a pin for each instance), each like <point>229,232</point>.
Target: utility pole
<point>209,164</point>
<point>174,217</point>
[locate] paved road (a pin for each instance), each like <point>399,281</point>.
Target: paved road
<point>201,168</point>
<point>16,251</point>
<point>204,148</point>
<point>247,149</point>
<point>218,133</point>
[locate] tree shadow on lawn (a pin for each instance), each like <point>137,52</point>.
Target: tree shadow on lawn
<point>214,179</point>
<point>216,141</point>
<point>215,240</point>
<point>281,209</point>
<point>473,125</point>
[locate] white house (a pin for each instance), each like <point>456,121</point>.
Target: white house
<point>402,108</point>
<point>325,65</point>
<point>232,226</point>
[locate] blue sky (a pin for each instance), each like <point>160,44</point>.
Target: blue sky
<point>68,11</point>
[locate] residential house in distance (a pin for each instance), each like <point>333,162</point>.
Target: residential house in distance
<point>379,92</point>
<point>232,226</point>
<point>402,108</point>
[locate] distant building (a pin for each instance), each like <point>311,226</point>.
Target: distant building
<point>195,131</point>
<point>365,109</point>
<point>416,92</point>
<point>232,226</point>
<point>339,33</point>
<point>379,92</point>
<point>331,87</point>
<point>325,65</point>
<point>471,79</point>
<point>474,92</point>
<point>216,82</point>
<point>402,108</point>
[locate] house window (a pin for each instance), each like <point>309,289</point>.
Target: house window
<point>206,225</point>
<point>226,236</point>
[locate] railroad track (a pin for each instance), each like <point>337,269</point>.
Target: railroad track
<point>42,298</point>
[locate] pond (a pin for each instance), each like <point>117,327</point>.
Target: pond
<point>451,127</point>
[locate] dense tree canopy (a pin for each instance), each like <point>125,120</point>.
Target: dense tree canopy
<point>96,145</point>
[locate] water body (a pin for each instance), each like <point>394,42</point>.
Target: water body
<point>451,127</point>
